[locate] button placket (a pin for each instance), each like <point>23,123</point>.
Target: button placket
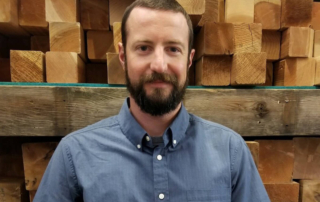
<point>160,176</point>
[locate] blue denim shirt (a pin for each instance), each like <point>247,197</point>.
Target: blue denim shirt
<point>114,160</point>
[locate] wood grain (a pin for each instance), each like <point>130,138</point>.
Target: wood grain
<point>212,12</point>
<point>5,74</point>
<point>317,74</point>
<point>316,46</point>
<point>65,67</point>
<point>271,44</point>
<point>306,158</point>
<point>195,9</point>
<point>96,73</point>
<point>116,10</point>
<point>249,69</point>
<point>32,194</point>
<point>27,66</point>
<point>276,159</point>
<point>283,192</point>
<point>267,13</point>
<point>40,43</point>
<point>67,37</point>
<point>95,14</point>
<point>116,73</point>
<point>247,38</point>
<point>213,71</point>
<point>269,75</point>
<point>239,11</point>
<point>62,10</point>
<point>117,36</point>
<point>296,13</point>
<point>315,22</point>
<point>13,190</point>
<point>95,48</point>
<point>309,190</point>
<point>295,72</point>
<point>254,149</point>
<point>36,157</point>
<point>207,43</point>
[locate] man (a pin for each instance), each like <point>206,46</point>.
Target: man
<point>153,150</point>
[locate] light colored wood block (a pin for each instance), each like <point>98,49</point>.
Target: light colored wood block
<point>213,71</point>
<point>32,194</point>
<point>65,67</point>
<point>32,16</point>
<point>116,10</point>
<point>13,190</point>
<point>283,192</point>
<point>249,69</point>
<point>195,9</point>
<point>317,75</point>
<point>294,72</point>
<point>36,157</point>
<point>306,158</point>
<point>296,42</point>
<point>296,13</point>
<point>247,38</point>
<point>9,19</point>
<point>206,43</point>
<point>269,75</point>
<point>62,10</point>
<point>97,50</point>
<point>67,37</point>
<point>315,22</point>
<point>212,12</point>
<point>271,44</point>
<point>254,149</point>
<point>5,70</point>
<point>117,36</point>
<point>96,73</point>
<point>268,14</point>
<point>40,43</point>
<point>116,74</point>
<point>94,14</point>
<point>316,47</point>
<point>27,66</point>
<point>276,160</point>
<point>239,11</point>
<point>309,190</point>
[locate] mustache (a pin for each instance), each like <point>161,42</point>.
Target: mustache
<point>167,78</point>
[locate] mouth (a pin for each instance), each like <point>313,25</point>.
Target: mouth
<point>158,83</point>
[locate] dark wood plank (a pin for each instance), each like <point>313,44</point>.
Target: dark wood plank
<point>57,111</point>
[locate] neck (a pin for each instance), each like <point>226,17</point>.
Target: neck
<point>153,125</point>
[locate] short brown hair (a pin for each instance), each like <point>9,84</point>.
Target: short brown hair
<point>165,5</point>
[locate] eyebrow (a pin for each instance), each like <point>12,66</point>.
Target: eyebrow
<point>173,42</point>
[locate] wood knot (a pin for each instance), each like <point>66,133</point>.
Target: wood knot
<point>261,109</point>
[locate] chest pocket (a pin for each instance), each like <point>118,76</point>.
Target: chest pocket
<point>217,194</point>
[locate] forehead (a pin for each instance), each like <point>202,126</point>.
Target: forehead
<point>160,23</point>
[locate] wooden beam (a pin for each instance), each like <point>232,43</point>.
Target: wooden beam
<point>195,9</point>
<point>268,14</point>
<point>206,42</point>
<point>67,37</point>
<point>213,71</point>
<point>117,36</point>
<point>254,149</point>
<point>5,69</point>
<point>306,158</point>
<point>249,112</point>
<point>315,22</point>
<point>116,10</point>
<point>32,194</point>
<point>96,73</point>
<point>239,11</point>
<point>32,16</point>
<point>247,38</point>
<point>249,69</point>
<point>297,13</point>
<point>309,190</point>
<point>317,75</point>
<point>62,11</point>
<point>13,43</point>
<point>95,48</point>
<point>40,43</point>
<point>271,44</point>
<point>36,157</point>
<point>9,20</point>
<point>212,12</point>
<point>13,190</point>
<point>65,67</point>
<point>296,42</point>
<point>116,74</point>
<point>27,66</point>
<point>269,75</point>
<point>95,14</point>
<point>295,72</point>
<point>316,46</point>
<point>283,191</point>
<point>276,159</point>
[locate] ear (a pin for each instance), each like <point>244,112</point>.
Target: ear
<point>191,57</point>
<point>122,57</point>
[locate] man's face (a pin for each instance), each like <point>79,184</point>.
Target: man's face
<point>156,59</point>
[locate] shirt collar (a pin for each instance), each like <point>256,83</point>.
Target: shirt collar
<point>135,133</point>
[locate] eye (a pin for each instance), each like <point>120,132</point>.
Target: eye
<point>143,48</point>
<point>174,50</point>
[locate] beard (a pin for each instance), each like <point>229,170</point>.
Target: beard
<point>157,103</point>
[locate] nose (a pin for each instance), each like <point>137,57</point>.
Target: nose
<point>159,64</point>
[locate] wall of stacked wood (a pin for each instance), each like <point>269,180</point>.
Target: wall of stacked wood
<point>237,42</point>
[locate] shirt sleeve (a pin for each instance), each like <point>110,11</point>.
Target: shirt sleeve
<point>59,182</point>
<point>247,185</point>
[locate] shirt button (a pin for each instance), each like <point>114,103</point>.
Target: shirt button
<point>174,141</point>
<point>148,138</point>
<point>161,196</point>
<point>159,157</point>
<point>138,146</point>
